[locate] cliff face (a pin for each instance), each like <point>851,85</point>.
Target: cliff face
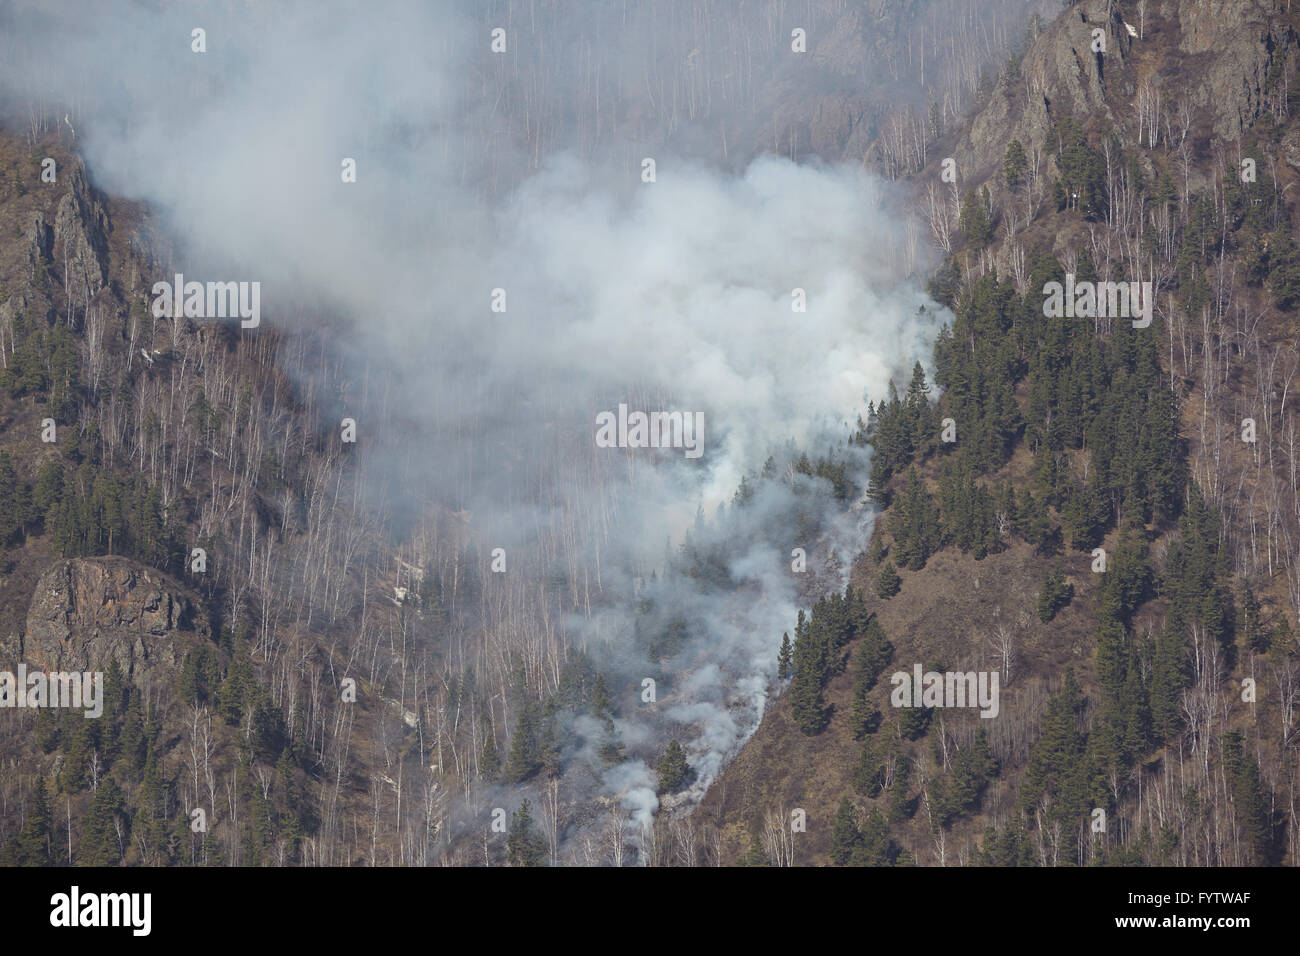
<point>1210,63</point>
<point>86,612</point>
<point>81,236</point>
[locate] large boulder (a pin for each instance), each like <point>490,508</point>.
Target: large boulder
<point>87,611</point>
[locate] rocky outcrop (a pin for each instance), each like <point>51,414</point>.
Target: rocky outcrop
<point>39,240</point>
<point>1059,74</point>
<point>1240,46</point>
<point>81,228</point>
<point>1213,66</point>
<point>87,611</point>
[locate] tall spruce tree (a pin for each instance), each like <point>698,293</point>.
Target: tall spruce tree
<point>673,770</point>
<point>524,846</point>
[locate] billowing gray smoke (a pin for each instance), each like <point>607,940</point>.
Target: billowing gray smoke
<point>673,295</point>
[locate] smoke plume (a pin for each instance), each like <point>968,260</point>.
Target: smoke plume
<point>679,294</point>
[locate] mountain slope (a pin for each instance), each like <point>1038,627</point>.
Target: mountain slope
<point>1127,165</point>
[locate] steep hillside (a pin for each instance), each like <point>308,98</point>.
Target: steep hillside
<point>1131,142</point>
<point>151,470</point>
<point>281,543</point>
<point>360,679</point>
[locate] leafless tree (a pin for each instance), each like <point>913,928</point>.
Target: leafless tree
<point>938,217</point>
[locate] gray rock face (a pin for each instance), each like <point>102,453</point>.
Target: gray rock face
<point>1223,75</point>
<point>1239,42</point>
<point>40,242</point>
<point>1060,73</point>
<point>88,611</point>
<point>81,228</point>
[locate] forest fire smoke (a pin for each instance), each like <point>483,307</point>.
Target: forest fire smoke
<point>679,287</point>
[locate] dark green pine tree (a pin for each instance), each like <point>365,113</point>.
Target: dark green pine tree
<point>673,770</point>
<point>877,550</point>
<point>876,652</point>
<point>878,482</point>
<point>811,663</point>
<point>1197,571</point>
<point>914,521</point>
<point>78,744</point>
<point>873,656</point>
<point>1034,524</point>
<point>809,705</point>
<point>972,769</point>
<point>1128,578</point>
<point>236,691</point>
<point>32,846</point>
<point>1007,846</point>
<point>150,821</point>
<point>916,409</point>
<point>1006,506</point>
<point>106,833</point>
<point>975,222</point>
<point>1085,515</point>
<point>489,761</point>
<point>889,438</point>
<point>210,853</point>
<point>869,773</point>
<point>845,838</point>
<point>866,716</point>
<point>524,846</point>
<point>48,494</point>
<point>1169,676</point>
<point>261,829</point>
<point>785,658</point>
<point>548,742</point>
<point>1056,593</point>
<point>13,503</point>
<point>875,848</point>
<point>114,703</point>
<point>1013,165</point>
<point>48,729</point>
<point>1249,798</point>
<point>1135,711</point>
<point>755,855</point>
<point>130,742</point>
<point>1112,657</point>
<point>888,582</point>
<point>1056,764</point>
<point>901,805</point>
<point>525,757</point>
<point>858,616</point>
<point>914,721</point>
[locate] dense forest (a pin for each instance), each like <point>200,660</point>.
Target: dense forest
<point>1106,515</point>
